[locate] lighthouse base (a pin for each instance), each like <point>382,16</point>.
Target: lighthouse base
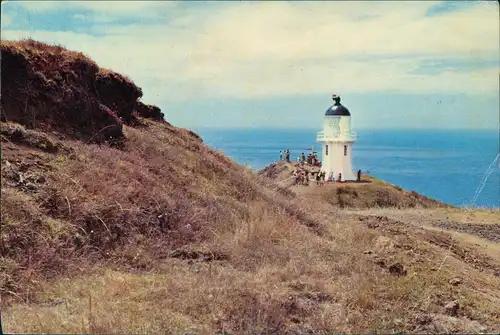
<point>336,161</point>
<point>345,175</point>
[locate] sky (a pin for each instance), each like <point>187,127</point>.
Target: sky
<point>396,64</point>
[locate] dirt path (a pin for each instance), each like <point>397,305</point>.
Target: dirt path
<point>490,232</point>
<point>483,224</point>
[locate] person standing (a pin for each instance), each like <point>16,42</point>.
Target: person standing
<point>281,155</point>
<point>359,176</point>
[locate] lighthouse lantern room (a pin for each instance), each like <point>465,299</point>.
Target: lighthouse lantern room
<point>337,139</point>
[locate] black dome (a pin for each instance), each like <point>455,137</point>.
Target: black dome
<point>337,110</point>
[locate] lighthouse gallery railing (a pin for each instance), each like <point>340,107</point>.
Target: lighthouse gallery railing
<point>321,136</point>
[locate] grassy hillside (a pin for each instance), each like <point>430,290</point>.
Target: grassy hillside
<point>145,229</point>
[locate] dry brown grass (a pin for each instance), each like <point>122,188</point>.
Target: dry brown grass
<point>370,193</point>
<point>374,194</point>
<point>279,276</point>
<point>59,57</point>
<point>492,249</point>
<point>165,188</point>
<point>164,235</point>
<point>90,250</point>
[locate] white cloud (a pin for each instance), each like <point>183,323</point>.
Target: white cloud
<point>80,16</point>
<point>6,21</point>
<point>265,49</point>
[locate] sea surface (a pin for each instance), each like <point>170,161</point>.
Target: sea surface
<point>459,167</point>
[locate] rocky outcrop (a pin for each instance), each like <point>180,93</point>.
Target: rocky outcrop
<point>49,88</point>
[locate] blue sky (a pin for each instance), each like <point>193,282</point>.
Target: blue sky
<point>275,64</point>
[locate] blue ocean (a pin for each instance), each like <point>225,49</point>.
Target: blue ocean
<point>458,167</point>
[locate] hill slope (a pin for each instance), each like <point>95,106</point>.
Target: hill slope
<point>145,229</point>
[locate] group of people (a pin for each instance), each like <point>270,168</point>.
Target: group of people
<point>320,178</point>
<point>311,159</point>
<point>285,154</point>
<point>301,173</point>
<point>301,177</point>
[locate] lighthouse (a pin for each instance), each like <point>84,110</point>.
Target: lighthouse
<point>337,139</point>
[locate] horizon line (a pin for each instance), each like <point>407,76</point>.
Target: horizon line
<point>354,128</point>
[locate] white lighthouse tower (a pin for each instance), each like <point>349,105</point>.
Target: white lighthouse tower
<point>337,139</point>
